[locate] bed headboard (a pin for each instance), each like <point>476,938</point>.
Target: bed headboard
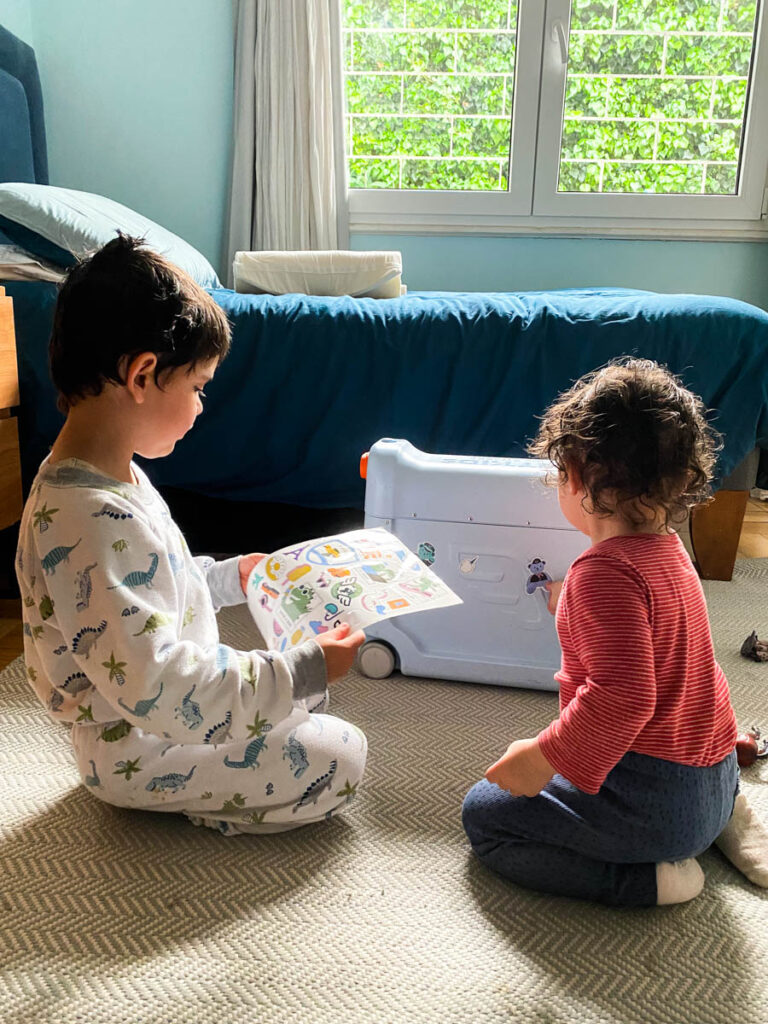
<point>23,155</point>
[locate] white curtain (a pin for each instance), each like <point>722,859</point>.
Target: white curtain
<point>289,182</point>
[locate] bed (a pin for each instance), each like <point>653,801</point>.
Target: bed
<point>312,382</point>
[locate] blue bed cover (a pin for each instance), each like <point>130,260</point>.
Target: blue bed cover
<point>312,382</point>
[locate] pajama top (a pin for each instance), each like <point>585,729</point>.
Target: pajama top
<point>638,669</point>
<point>119,619</point>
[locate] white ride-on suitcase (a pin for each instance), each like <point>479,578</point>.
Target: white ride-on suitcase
<point>493,531</point>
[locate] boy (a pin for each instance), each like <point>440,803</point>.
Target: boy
<point>120,634</point>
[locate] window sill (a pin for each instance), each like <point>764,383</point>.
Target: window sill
<point>562,227</point>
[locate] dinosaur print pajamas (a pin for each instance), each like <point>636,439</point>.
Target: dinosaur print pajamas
<point>121,643</point>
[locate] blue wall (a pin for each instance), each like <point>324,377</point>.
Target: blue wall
<point>16,16</point>
<point>496,263</point>
<point>138,103</point>
<point>138,97</point>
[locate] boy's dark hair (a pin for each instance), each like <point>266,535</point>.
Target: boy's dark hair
<point>638,438</point>
<point>120,301</point>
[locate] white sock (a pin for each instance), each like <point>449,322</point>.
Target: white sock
<point>744,841</point>
<point>678,881</point>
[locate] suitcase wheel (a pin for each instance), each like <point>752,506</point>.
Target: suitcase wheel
<point>376,659</point>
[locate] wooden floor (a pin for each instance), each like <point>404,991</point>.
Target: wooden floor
<point>753,543</point>
<point>11,642</point>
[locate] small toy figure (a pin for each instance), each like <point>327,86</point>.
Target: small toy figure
<point>755,649</point>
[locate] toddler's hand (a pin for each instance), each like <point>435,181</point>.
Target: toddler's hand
<point>245,567</point>
<point>522,770</point>
<point>553,589</point>
<point>339,648</point>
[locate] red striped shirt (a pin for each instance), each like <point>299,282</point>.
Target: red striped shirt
<point>638,670</point>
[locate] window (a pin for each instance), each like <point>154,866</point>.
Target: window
<point>638,116</point>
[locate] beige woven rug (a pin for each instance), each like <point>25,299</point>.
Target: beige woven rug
<point>117,917</point>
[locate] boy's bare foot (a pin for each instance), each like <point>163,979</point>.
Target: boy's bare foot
<point>678,881</point>
<point>744,841</point>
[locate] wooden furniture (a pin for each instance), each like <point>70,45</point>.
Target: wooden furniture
<point>715,532</point>
<point>11,502</point>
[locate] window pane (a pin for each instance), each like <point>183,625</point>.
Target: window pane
<point>656,96</point>
<point>429,93</point>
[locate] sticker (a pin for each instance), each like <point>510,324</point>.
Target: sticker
<point>296,553</point>
<point>468,565</point>
<point>375,602</point>
<point>298,601</point>
<point>379,573</point>
<point>335,552</point>
<point>426,552</point>
<point>297,573</point>
<point>420,586</point>
<point>274,567</point>
<point>345,592</point>
<point>538,577</point>
<point>370,555</point>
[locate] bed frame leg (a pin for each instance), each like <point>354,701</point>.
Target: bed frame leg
<point>715,532</point>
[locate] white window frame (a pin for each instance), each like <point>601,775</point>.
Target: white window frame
<point>532,205</point>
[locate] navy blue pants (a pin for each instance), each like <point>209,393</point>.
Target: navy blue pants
<point>602,847</point>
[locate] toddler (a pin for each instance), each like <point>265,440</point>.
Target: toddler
<point>613,801</point>
<point>120,634</point>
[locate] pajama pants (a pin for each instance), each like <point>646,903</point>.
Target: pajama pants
<point>303,770</point>
<point>602,847</point>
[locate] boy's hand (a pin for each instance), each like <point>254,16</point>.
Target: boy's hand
<point>246,566</point>
<point>522,770</point>
<point>339,648</point>
<point>553,589</point>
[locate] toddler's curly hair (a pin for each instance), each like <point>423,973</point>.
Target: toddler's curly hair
<point>638,438</point>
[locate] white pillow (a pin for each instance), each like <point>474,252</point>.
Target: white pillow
<point>59,224</point>
<point>377,275</point>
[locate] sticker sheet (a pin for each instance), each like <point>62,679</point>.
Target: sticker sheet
<point>358,577</point>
